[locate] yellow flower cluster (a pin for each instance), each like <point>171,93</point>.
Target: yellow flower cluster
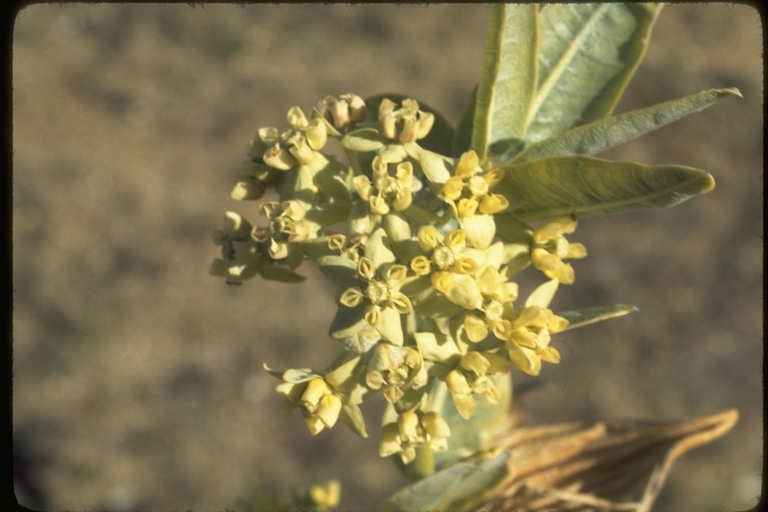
<point>409,238</point>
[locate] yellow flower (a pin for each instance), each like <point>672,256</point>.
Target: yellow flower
<point>411,430</point>
<point>286,226</point>
<point>379,292</point>
<point>468,190</point>
<point>450,264</point>
<point>397,369</point>
<point>406,124</point>
<point>550,248</point>
<point>325,496</point>
<point>391,186</point>
<point>296,146</point>
<point>498,295</point>
<point>319,405</point>
<point>343,113</point>
<point>473,376</point>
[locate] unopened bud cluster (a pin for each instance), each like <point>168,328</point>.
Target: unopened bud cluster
<point>422,248</point>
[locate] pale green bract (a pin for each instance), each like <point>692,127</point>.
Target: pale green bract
<point>424,228</point>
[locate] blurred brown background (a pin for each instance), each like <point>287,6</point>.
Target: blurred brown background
<point>137,377</point>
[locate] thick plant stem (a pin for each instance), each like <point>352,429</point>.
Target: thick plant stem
<point>424,463</point>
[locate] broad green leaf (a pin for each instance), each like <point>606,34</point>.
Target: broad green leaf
<point>476,485</point>
<point>439,137</point>
<point>587,186</point>
<point>462,138</point>
<point>509,76</point>
<point>453,488</point>
<point>611,131</point>
<point>587,55</point>
<point>428,493</point>
<point>475,434</point>
<point>581,317</point>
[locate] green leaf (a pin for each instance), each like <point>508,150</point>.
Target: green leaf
<point>587,186</point>
<point>489,473</point>
<point>462,138</point>
<point>427,494</point>
<point>611,131</point>
<point>339,270</point>
<point>439,137</point>
<point>450,489</point>
<point>509,76</point>
<point>581,317</point>
<point>587,55</point>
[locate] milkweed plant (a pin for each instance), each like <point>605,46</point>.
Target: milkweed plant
<point>425,228</point>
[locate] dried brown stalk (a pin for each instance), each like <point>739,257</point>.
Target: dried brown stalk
<point>616,466</point>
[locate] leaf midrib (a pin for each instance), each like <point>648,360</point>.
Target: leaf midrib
<point>562,64</point>
<point>614,204</point>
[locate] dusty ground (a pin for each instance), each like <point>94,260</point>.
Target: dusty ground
<point>137,377</point>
